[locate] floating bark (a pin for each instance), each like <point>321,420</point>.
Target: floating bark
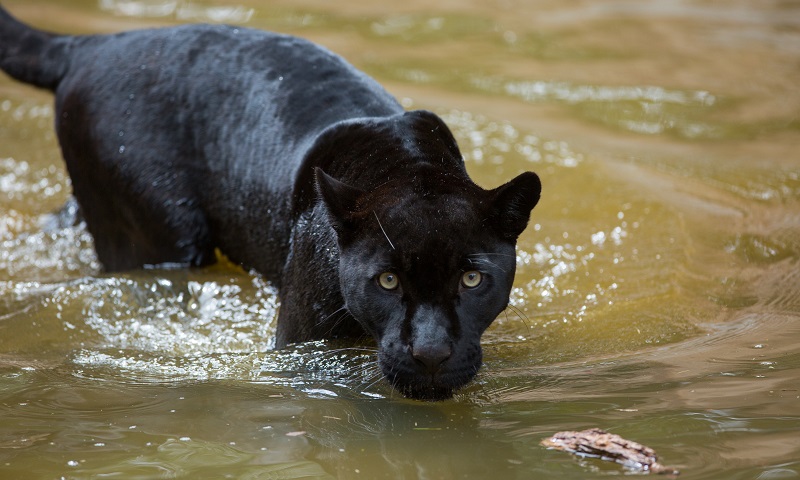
<point>608,446</point>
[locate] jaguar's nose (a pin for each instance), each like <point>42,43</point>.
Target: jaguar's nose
<point>431,356</point>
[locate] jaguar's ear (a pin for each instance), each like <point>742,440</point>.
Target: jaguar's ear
<point>340,199</point>
<point>512,204</point>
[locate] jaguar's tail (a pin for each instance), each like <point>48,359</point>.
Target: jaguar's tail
<point>30,55</point>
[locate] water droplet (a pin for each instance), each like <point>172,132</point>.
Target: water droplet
<point>598,238</point>
<point>122,149</point>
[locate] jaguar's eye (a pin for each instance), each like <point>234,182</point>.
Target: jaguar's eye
<point>388,281</point>
<point>471,279</point>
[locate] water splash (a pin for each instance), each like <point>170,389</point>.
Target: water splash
<point>44,256</point>
<point>170,317</point>
<point>22,184</point>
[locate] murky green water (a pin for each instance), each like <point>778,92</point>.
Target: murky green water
<point>658,293</point>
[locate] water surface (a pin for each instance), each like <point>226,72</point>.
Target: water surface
<point>658,286</point>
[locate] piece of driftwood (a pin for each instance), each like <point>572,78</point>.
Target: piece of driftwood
<point>608,446</point>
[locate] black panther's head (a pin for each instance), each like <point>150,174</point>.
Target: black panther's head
<point>425,266</point>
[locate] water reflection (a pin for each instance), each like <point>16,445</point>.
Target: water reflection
<point>180,9</point>
<point>483,141</point>
<point>267,431</point>
<point>646,110</point>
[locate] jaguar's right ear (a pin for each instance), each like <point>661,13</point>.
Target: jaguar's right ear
<point>340,199</point>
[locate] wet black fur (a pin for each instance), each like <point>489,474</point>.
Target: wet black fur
<point>183,140</point>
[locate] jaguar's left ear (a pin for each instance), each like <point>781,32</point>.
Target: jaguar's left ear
<point>512,204</point>
<point>340,199</point>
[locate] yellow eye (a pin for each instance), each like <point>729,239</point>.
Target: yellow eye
<point>471,279</point>
<point>388,281</point>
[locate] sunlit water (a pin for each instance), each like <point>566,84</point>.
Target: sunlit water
<point>658,287</point>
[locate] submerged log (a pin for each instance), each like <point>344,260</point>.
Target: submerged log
<point>608,446</point>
